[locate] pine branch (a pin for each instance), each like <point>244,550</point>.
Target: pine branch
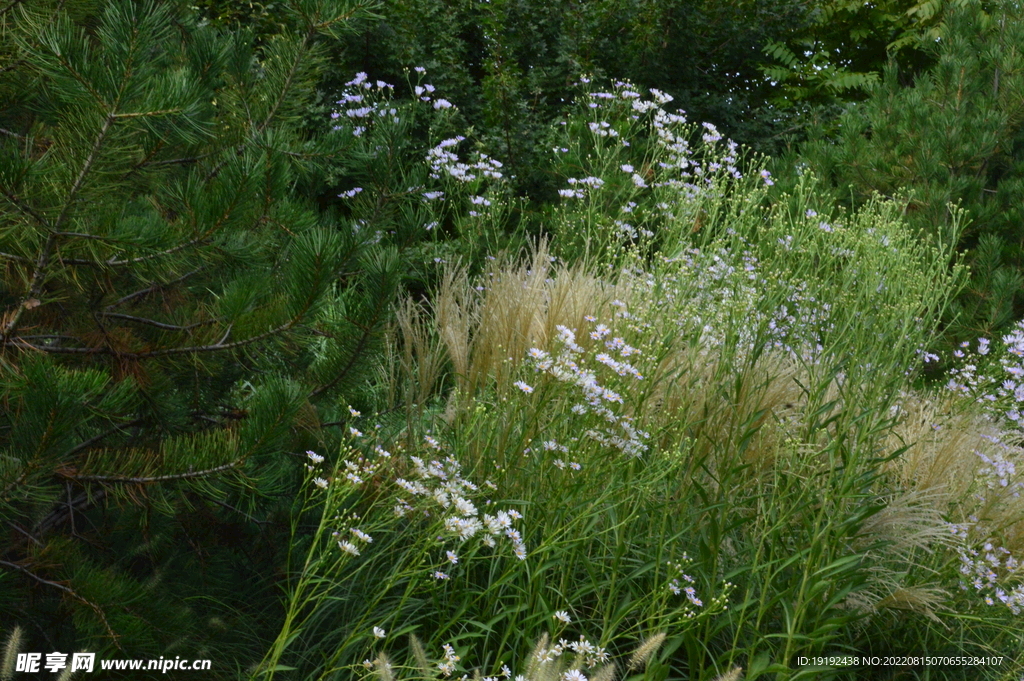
<point>152,322</point>
<point>25,208</point>
<point>26,533</point>
<point>61,512</point>
<point>35,287</point>
<point>43,262</point>
<point>86,167</point>
<point>172,161</point>
<point>96,438</point>
<point>236,510</point>
<point>68,590</point>
<point>159,478</point>
<point>364,340</point>
<point>142,258</point>
<point>152,288</point>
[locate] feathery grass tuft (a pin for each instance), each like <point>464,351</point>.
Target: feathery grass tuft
<point>11,649</point>
<point>644,652</point>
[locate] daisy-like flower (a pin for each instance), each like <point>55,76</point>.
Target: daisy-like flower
<point>573,675</point>
<point>362,535</point>
<point>464,506</point>
<point>562,616</point>
<point>320,482</point>
<point>524,387</point>
<point>353,411</point>
<point>316,458</point>
<point>537,353</point>
<point>452,558</point>
<point>440,575</point>
<point>354,432</point>
<point>379,633</point>
<point>349,548</point>
<point>520,551</point>
<point>575,466</point>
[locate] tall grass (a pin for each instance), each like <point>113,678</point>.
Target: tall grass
<point>706,437</point>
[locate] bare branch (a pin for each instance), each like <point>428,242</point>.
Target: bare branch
<point>172,161</point>
<point>159,478</point>
<point>96,438</point>
<point>143,258</point>
<point>68,590</point>
<point>86,167</point>
<point>153,287</point>
<point>24,532</point>
<point>236,510</point>
<point>151,322</point>
<point>27,209</point>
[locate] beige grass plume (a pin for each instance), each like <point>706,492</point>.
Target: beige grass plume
<point>11,649</point>
<point>645,651</point>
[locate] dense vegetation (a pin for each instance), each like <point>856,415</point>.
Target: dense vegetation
<point>621,339</point>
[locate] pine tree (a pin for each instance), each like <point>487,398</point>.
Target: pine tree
<point>954,137</point>
<point>178,319</point>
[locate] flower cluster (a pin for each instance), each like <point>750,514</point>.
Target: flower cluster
<point>989,571</point>
<point>448,664</point>
<point>999,470</point>
<point>716,286</point>
<point>587,654</point>
<point>625,118</point>
<point>366,105</point>
<point>683,584</point>
<point>444,161</point>
<point>439,487</point>
<point>566,366</point>
<point>364,101</point>
<point>993,377</point>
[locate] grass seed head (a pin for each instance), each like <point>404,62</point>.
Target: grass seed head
<point>644,652</point>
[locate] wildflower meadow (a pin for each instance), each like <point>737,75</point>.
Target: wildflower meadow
<point>335,385</point>
<point>683,436</point>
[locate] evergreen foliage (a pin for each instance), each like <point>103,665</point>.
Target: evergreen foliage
<point>177,318</point>
<point>952,138</point>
